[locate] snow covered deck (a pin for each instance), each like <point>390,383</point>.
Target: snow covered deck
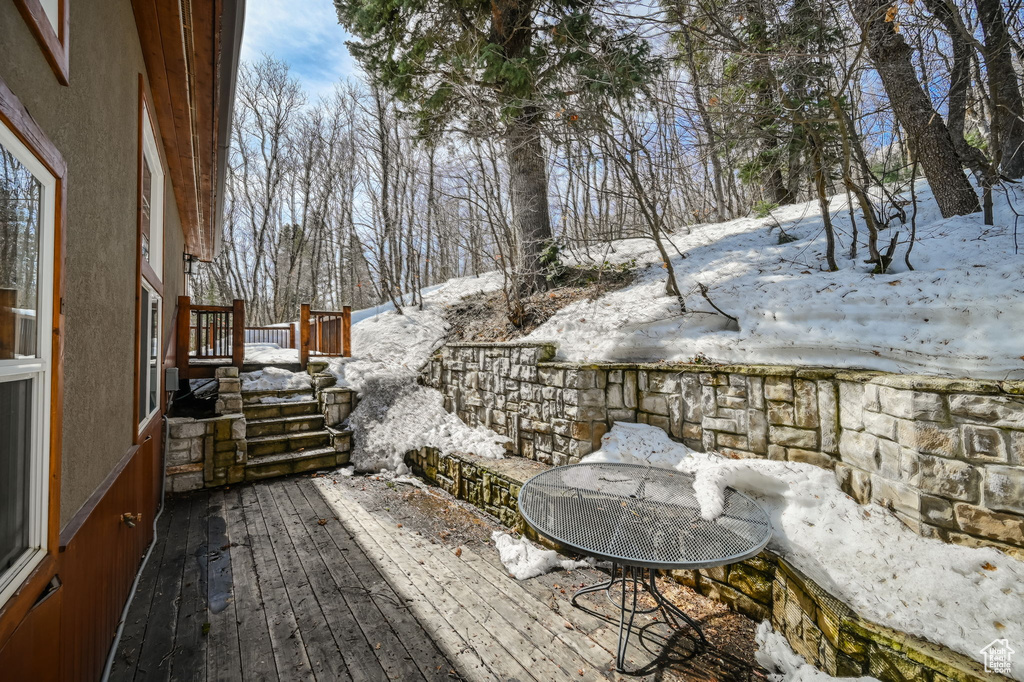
<point>266,582</point>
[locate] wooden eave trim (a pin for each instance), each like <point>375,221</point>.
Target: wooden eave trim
<point>182,84</point>
<point>14,115</point>
<point>54,46</point>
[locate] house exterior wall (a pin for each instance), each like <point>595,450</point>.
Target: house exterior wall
<point>94,124</point>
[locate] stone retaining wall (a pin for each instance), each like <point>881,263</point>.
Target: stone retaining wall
<point>205,452</point>
<point>946,455</point>
<point>817,625</point>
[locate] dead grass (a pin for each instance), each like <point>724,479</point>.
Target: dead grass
<point>485,317</point>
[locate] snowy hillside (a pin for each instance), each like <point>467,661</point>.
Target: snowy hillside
<point>960,312</point>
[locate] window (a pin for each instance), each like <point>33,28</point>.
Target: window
<point>27,213</point>
<point>48,21</point>
<point>151,239</point>
<point>149,354</point>
<point>152,199</point>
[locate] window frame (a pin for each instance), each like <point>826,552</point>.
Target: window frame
<point>147,275</point>
<point>31,578</point>
<point>52,41</point>
<point>145,326</point>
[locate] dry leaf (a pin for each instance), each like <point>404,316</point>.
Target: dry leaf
<point>988,567</point>
<point>322,522</point>
<point>458,551</point>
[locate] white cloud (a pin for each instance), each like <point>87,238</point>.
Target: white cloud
<point>304,33</point>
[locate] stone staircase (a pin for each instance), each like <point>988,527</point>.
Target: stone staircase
<point>289,435</point>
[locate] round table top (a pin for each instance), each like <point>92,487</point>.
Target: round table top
<point>640,516</point>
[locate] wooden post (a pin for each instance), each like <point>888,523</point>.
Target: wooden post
<point>304,335</point>
<point>238,333</point>
<point>291,336</point>
<point>184,330</point>
<point>8,298</point>
<point>346,330</point>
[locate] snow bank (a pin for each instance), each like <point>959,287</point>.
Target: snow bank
<point>960,597</point>
<point>275,379</point>
<point>270,353</point>
<point>293,398</point>
<point>785,665</point>
<point>525,560</point>
<point>959,312</point>
<point>395,414</point>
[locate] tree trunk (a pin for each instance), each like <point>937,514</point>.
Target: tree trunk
<point>1007,105</point>
<point>934,147</point>
<point>529,189</point>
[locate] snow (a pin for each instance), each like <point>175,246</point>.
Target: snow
<point>270,353</point>
<point>959,312</point>
<point>525,560</point>
<point>783,664</point>
<point>961,597</point>
<point>293,398</point>
<point>275,379</point>
<point>395,414</point>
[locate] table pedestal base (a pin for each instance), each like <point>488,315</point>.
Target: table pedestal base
<point>626,598</point>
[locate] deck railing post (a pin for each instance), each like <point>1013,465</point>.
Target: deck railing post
<point>304,335</point>
<point>346,330</point>
<point>291,336</point>
<point>238,333</point>
<point>184,331</point>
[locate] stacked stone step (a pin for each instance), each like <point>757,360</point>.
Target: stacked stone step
<point>289,435</point>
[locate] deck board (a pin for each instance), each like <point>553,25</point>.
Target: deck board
<point>244,584</point>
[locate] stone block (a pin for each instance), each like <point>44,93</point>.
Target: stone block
<point>992,409</point>
<point>854,482</point>
<point>792,437</point>
<point>185,482</point>
<point>624,415</point>
<point>937,512</point>
<point>615,376</point>
<point>654,404</point>
<point>880,424</point>
<point>918,405</point>
<point>731,440</point>
<point>714,424</point>
<point>1004,488</point>
<point>781,414</point>
<point>851,406</point>
<point>896,496</point>
<point>226,372</point>
<point>928,438</point>
<point>755,392</point>
<point>859,449</point>
<point>942,477</point>
<point>828,417</point>
<point>731,402</point>
<point>757,431</point>
<point>229,385</point>
<point>551,377</point>
<point>805,403</point>
<point>983,443</point>
<point>660,421</point>
<point>778,388</point>
<point>999,526</point>
<point>178,457</point>
<point>186,428</point>
<point>629,389</point>
<point>238,429</point>
<point>890,457</point>
<point>777,453</point>
<point>810,457</point>
<point>692,431</point>
<point>614,396</point>
<point>691,392</point>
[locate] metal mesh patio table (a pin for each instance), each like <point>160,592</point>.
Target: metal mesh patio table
<point>641,519</point>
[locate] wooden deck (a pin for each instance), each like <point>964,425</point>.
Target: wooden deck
<point>278,581</point>
<point>246,583</point>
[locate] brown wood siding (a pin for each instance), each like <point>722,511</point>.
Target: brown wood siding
<point>30,653</point>
<point>100,556</point>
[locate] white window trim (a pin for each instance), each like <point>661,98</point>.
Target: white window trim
<point>151,154</point>
<point>39,369</point>
<point>145,324</point>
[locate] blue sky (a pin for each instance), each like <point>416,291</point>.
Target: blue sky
<point>304,33</point>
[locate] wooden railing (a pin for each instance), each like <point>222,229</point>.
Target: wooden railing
<point>324,333</point>
<point>282,336</point>
<point>209,332</point>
